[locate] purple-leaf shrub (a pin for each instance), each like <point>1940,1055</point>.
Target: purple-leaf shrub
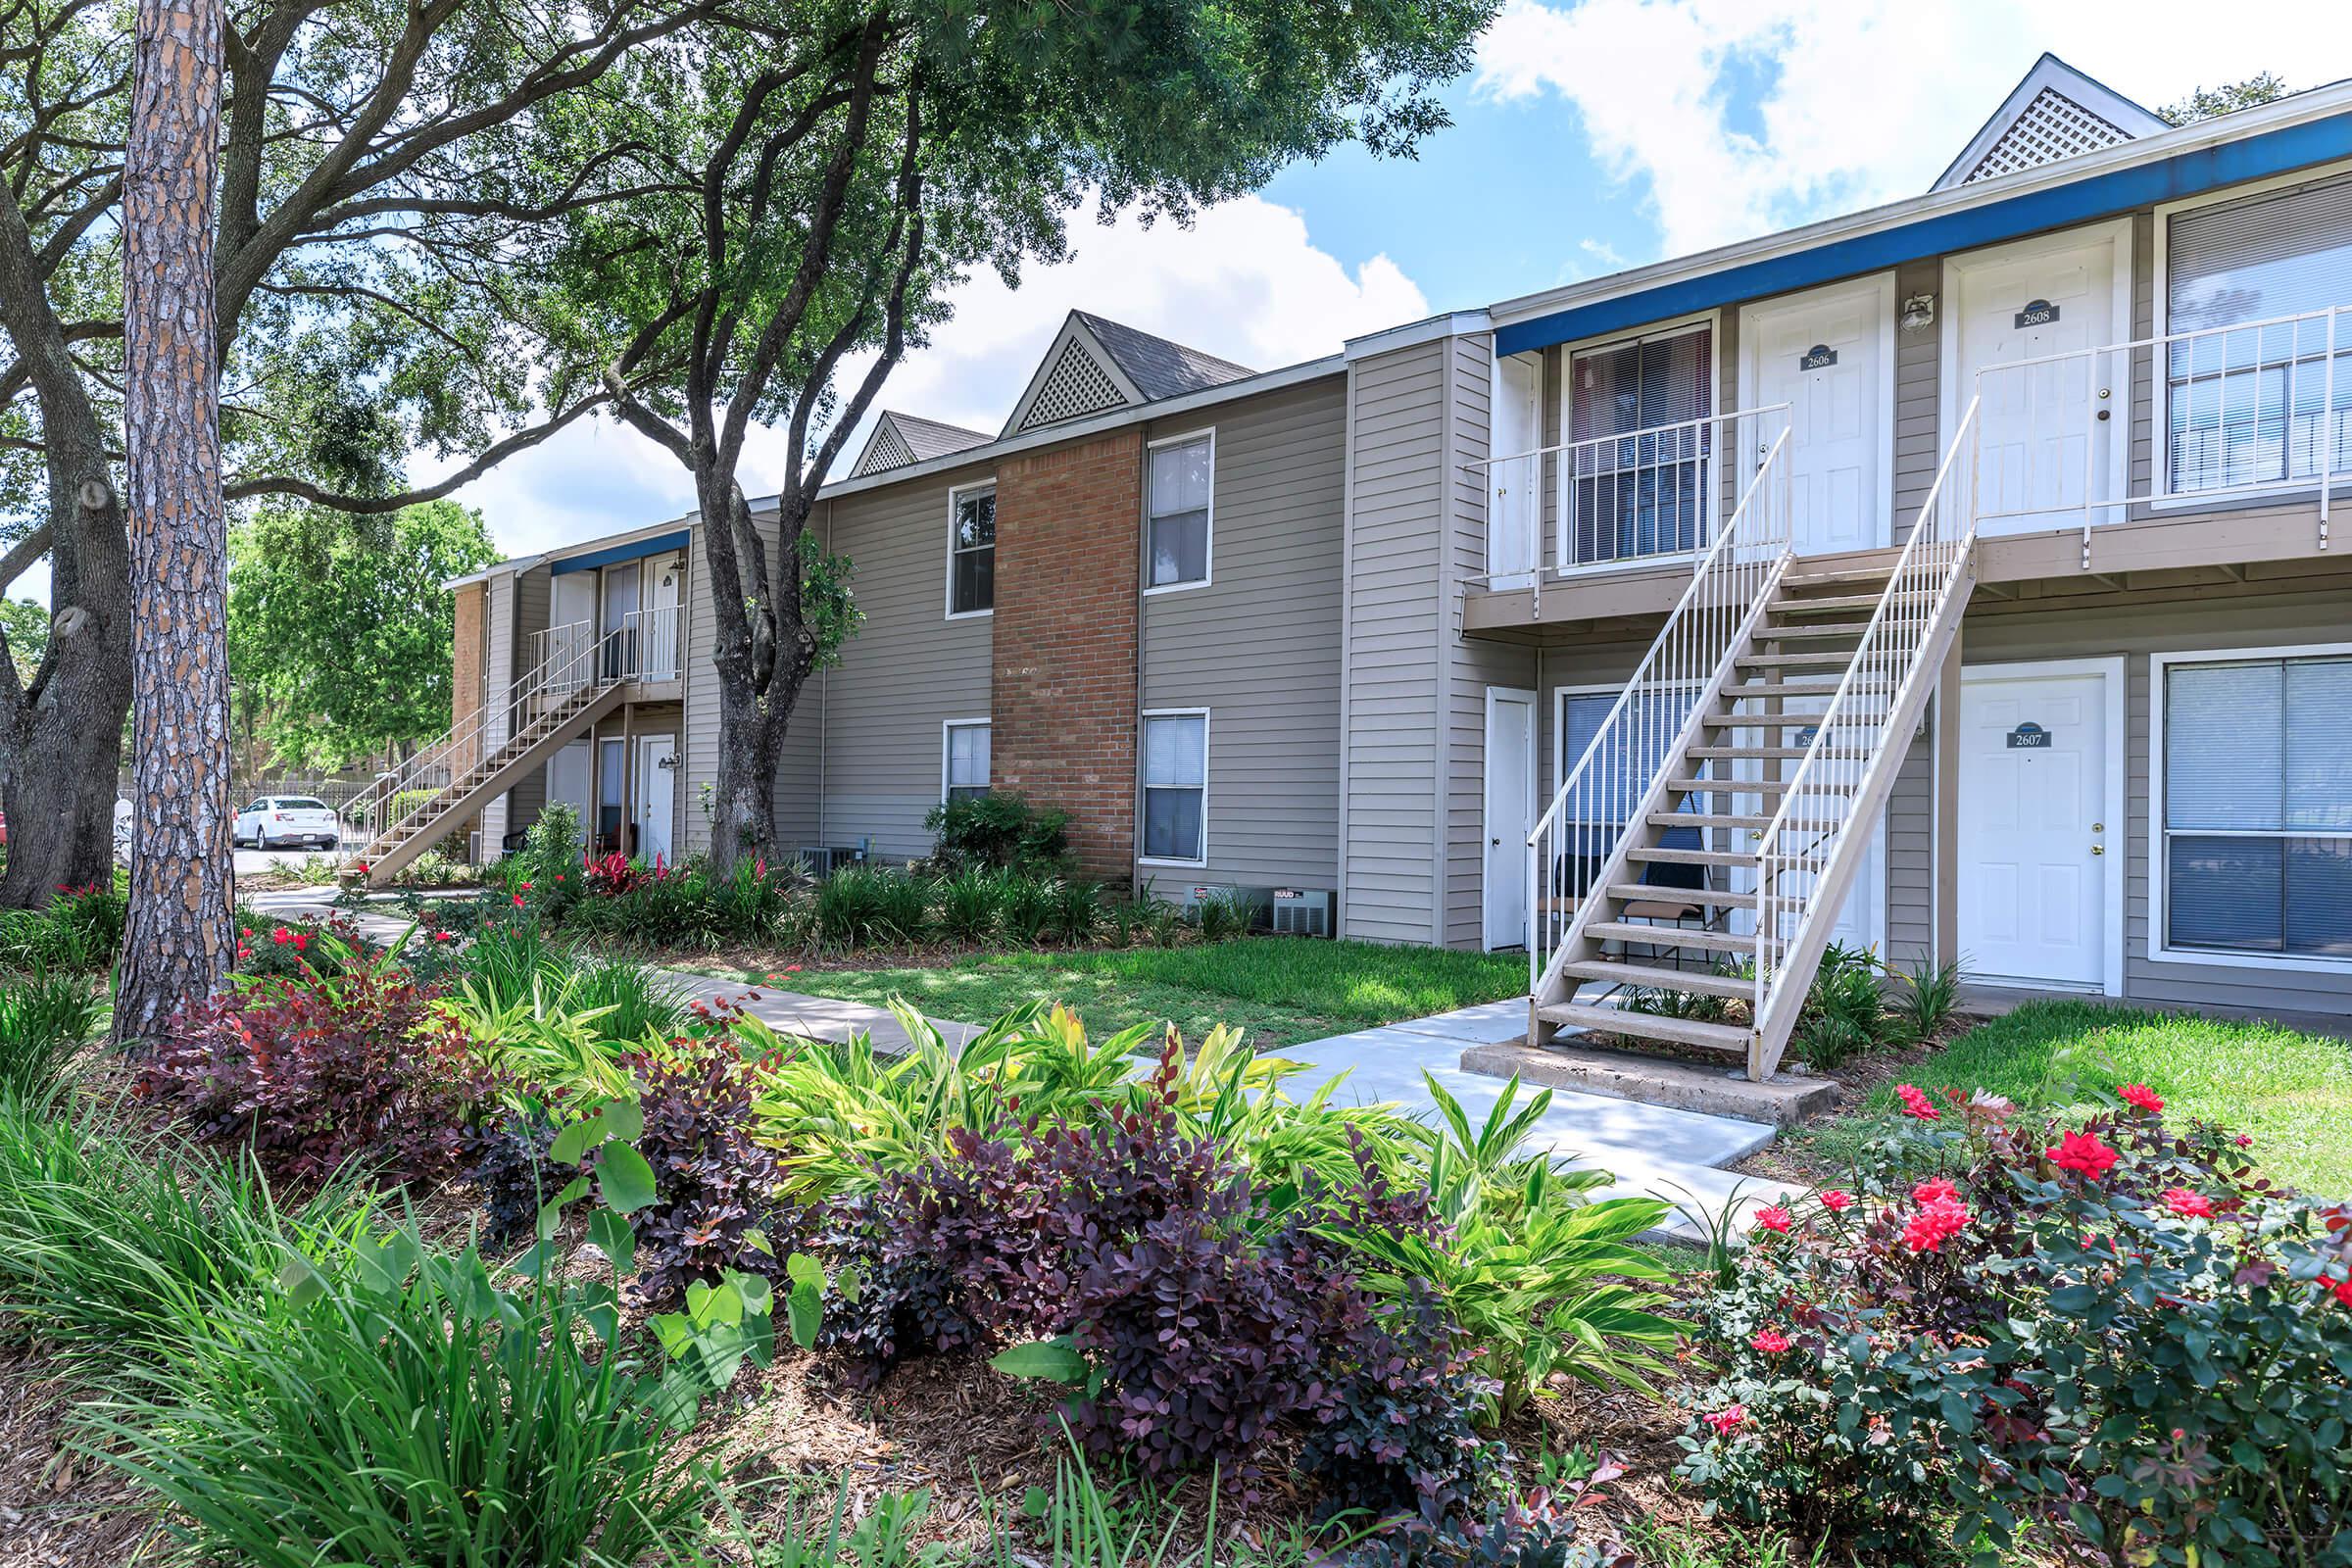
<point>715,1184</point>
<point>314,1076</point>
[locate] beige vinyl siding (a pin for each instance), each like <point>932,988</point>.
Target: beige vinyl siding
<point>1259,646</point>
<point>2135,627</point>
<point>797,770</point>
<point>1471,667</point>
<point>1919,438</point>
<point>1911,854</point>
<point>1393,623</point>
<point>909,669</point>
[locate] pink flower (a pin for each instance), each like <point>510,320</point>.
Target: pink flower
<point>518,900</point>
<point>1941,1190</point>
<point>1916,1104</point>
<point>1726,1422</point>
<point>1773,1217</point>
<point>2083,1154</point>
<point>1935,1223</point>
<point>1772,1342</point>
<point>1836,1202</point>
<point>2187,1204</point>
<point>445,936</point>
<point>246,932</point>
<point>525,886</point>
<point>2143,1097</point>
<point>2243,1142</point>
<point>282,936</point>
<point>559,876</point>
<point>301,942</point>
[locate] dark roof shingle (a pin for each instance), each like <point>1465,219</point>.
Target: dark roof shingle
<point>1159,367</point>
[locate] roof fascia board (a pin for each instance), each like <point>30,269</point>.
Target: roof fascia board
<point>1092,424</point>
<point>630,550</point>
<point>2186,162</point>
<point>1426,330</point>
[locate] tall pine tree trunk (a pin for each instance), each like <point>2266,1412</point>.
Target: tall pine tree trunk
<point>179,940</point>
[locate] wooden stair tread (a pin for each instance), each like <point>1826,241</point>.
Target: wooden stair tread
<point>1786,603</point>
<point>1707,819</point>
<point>1727,786</point>
<point>1806,632</point>
<point>1722,897</point>
<point>1830,660</point>
<point>1729,1038</point>
<point>1614,972</point>
<point>1659,854</point>
<point>1669,936</point>
<point>1746,752</point>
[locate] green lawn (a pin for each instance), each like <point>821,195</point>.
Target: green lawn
<point>1281,989</point>
<point>2291,1091</point>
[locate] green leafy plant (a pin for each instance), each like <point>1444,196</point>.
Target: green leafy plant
<point>45,1020</point>
<point>408,1408</point>
<point>1844,1013</point>
<point>967,904</point>
<point>998,831</point>
<point>115,1245</point>
<point>1027,909</point>
<point>1926,996</point>
<point>1077,911</point>
<point>1222,916</point>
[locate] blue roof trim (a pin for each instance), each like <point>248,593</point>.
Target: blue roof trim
<point>2188,174</point>
<point>634,550</point>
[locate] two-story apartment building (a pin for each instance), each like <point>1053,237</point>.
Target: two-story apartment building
<point>1954,576</point>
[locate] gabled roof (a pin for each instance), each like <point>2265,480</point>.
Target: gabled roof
<point>1095,365</point>
<point>2054,112</point>
<point>900,439</point>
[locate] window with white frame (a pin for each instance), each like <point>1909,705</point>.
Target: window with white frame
<point>2257,830</point>
<point>1183,476</point>
<point>972,550</point>
<point>963,767</point>
<point>2258,303</point>
<point>1176,787</point>
<point>1638,452</point>
<point>1619,774</point>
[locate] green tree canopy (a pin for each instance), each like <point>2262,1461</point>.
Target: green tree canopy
<point>2207,102</point>
<point>339,629</point>
<point>25,625</point>
<point>818,175</point>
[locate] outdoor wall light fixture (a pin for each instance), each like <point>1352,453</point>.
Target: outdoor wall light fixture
<point>1919,311</point>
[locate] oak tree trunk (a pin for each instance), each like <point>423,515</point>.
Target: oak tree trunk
<point>763,653</point>
<point>178,942</point>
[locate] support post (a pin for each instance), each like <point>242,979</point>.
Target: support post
<point>1943,866</point>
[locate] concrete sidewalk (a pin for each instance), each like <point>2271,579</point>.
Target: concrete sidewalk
<point>1652,1150</point>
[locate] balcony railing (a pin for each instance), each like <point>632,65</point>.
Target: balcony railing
<point>2241,412</point>
<point>1652,494</point>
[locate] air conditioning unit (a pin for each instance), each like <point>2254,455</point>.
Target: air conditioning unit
<point>1303,912</point>
<point>823,859</point>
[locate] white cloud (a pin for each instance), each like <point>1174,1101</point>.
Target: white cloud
<point>1740,117</point>
<point>1244,282</point>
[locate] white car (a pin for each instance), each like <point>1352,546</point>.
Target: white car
<point>287,823</point>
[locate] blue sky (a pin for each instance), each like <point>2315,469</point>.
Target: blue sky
<point>1588,136</point>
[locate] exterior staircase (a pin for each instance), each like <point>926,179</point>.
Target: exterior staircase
<point>1708,840</point>
<point>579,678</point>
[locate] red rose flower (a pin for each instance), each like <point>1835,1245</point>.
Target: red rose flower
<point>1916,1104</point>
<point>1935,1223</point>
<point>518,900</point>
<point>2187,1204</point>
<point>1834,1200</point>
<point>2143,1097</point>
<point>282,936</point>
<point>1772,1342</point>
<point>1941,1190</point>
<point>1773,1217</point>
<point>1726,1422</point>
<point>2343,1292</point>
<point>2083,1154</point>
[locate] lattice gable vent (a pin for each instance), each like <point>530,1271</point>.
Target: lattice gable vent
<point>2052,126</point>
<point>887,449</point>
<point>1078,385</point>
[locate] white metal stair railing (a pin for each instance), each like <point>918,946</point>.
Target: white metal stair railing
<point>1578,846</point>
<point>2243,411</point>
<point>1808,857</point>
<point>570,664</point>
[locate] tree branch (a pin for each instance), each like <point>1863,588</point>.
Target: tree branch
<point>367,506</point>
<point>21,555</point>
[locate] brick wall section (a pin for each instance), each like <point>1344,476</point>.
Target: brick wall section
<point>1068,576</point>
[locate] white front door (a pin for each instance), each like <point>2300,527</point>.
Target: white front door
<point>2049,434</point>
<point>1510,811</point>
<point>1514,484</point>
<point>1829,355</point>
<point>2035,826</point>
<point>657,795</point>
<point>662,578</point>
